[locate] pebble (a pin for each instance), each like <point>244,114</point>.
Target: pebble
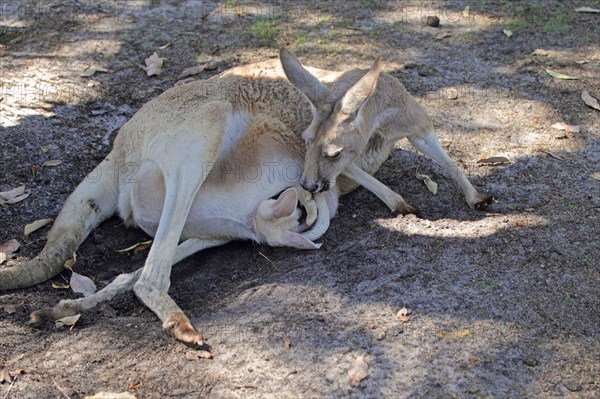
<point>432,21</point>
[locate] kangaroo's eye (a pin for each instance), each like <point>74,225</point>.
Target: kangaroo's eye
<point>334,155</point>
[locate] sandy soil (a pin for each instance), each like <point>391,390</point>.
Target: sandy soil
<point>503,303</point>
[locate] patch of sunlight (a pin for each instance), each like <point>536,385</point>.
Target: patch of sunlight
<point>464,229</point>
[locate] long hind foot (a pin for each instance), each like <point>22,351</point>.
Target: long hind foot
<point>181,328</point>
<point>481,201</point>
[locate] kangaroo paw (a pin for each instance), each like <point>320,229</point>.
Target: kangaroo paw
<point>482,201</point>
<point>180,327</point>
<point>404,209</point>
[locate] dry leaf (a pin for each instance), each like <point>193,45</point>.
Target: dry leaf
<point>67,321</point>
<point>466,12</point>
<point>402,315</point>
<point>134,249</point>
<point>137,385</point>
<point>54,162</point>
<point>472,359</point>
<point>7,248</point>
<point>507,33</point>
<point>60,286</point>
<point>520,223</point>
<point>38,224</point>
<point>111,395</point>
<point>431,185</point>
<point>165,46</point>
<point>553,155</point>
<point>458,334</point>
<point>195,70</point>
<point>13,196</point>
<point>559,75</point>
<point>581,62</point>
<point>153,65</point>
<point>5,376</point>
<point>71,262</point>
<point>588,100</point>
<point>587,9</point>
<point>493,161</point>
<point>198,355</point>
<point>359,369</point>
<point>10,309</point>
<point>541,52</point>
<point>93,69</point>
<point>568,128</point>
<point>82,284</point>
<point>287,343</point>
<point>44,149</point>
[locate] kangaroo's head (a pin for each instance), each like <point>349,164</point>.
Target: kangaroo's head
<point>340,127</point>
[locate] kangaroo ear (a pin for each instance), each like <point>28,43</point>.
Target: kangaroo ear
<point>304,81</point>
<point>358,94</point>
<point>286,204</point>
<point>296,240</point>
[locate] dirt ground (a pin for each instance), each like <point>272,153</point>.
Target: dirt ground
<point>504,303</point>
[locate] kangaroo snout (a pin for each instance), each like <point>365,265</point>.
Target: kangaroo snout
<point>315,187</point>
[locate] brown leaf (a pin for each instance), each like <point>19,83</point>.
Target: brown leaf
<point>5,376</point>
<point>359,369</point>
<point>520,223</point>
<point>153,65</point>
<point>10,309</point>
<point>287,343</point>
<point>60,286</point>
<point>195,70</point>
<point>134,249</point>
<point>472,359</point>
<point>136,385</point>
<point>588,100</point>
<point>69,321</point>
<point>52,163</point>
<point>493,161</point>
<point>568,128</point>
<point>38,224</point>
<point>71,262</point>
<point>10,194</point>
<point>82,284</point>
<point>403,315</point>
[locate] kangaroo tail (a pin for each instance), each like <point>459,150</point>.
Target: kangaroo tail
<point>93,201</point>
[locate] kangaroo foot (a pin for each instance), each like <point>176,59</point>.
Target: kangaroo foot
<point>402,208</point>
<point>180,327</point>
<point>481,201</point>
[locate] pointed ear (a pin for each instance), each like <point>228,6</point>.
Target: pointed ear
<point>296,240</point>
<point>304,81</point>
<point>286,204</point>
<point>358,94</point>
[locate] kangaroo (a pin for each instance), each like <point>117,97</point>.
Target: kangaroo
<point>188,146</point>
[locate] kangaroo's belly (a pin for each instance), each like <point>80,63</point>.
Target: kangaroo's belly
<point>225,204</point>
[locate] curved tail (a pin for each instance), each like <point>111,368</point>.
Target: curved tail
<point>94,200</point>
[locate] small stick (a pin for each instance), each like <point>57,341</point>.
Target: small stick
<point>10,387</point>
<point>61,390</point>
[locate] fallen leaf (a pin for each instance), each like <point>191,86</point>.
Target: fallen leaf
<point>60,286</point>
<point>359,369</point>
<point>507,32</point>
<point>195,355</point>
<point>443,35</point>
<point>568,128</point>
<point>466,12</point>
<point>82,284</point>
<point>153,65</point>
<point>553,155</point>
<point>33,170</point>
<point>10,309</point>
<point>195,70</point>
<point>520,223</point>
<point>71,262</point>
<point>402,315</point>
<point>165,46</point>
<point>93,69</point>
<point>559,75</point>
<point>541,52</point>
<point>431,185</point>
<point>472,359</point>
<point>44,149</point>
<point>5,376</point>
<point>111,395</point>
<point>139,247</point>
<point>587,9</point>
<point>287,343</point>
<point>494,161</point>
<point>10,194</point>
<point>68,321</point>
<point>7,248</point>
<point>17,199</point>
<point>52,163</point>
<point>581,62</point>
<point>38,224</point>
<point>457,334</point>
<point>588,100</point>
<point>137,385</point>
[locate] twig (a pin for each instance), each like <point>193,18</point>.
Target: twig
<point>270,261</point>
<point>61,390</point>
<point>10,387</point>
<point>553,155</point>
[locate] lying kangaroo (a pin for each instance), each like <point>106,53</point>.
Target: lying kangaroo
<point>340,125</point>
